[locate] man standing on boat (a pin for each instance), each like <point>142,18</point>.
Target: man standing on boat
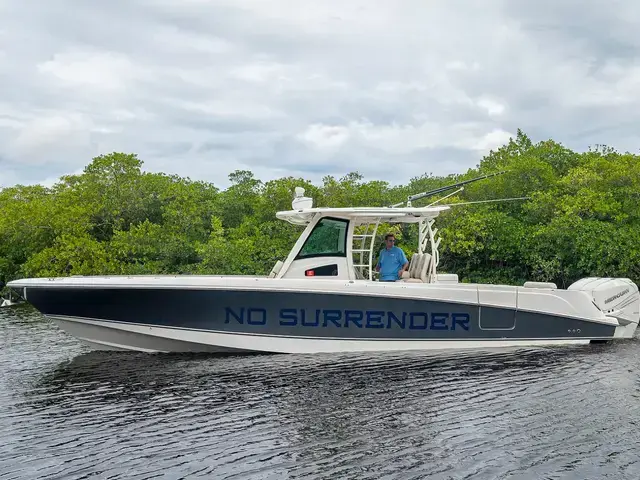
<point>392,260</point>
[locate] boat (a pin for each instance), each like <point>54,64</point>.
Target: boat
<point>325,297</point>
<point>9,301</point>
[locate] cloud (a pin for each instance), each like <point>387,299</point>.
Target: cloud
<point>404,139</point>
<point>88,69</point>
<point>392,89</point>
<point>38,137</point>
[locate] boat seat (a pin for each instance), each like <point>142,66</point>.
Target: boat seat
<point>418,268</point>
<point>410,272</point>
<point>412,266</point>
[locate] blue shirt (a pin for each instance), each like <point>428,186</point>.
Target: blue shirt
<point>390,262</point>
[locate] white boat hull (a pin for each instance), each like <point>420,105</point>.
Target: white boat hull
<point>102,335</point>
<point>252,314</point>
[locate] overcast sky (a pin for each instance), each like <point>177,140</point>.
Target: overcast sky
<point>391,88</point>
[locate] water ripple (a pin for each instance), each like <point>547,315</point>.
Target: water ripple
<point>69,413</point>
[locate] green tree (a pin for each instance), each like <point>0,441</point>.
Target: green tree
<point>581,217</point>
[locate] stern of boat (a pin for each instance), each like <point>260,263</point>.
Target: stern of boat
<point>617,298</point>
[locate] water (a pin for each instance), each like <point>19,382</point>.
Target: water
<point>544,413</point>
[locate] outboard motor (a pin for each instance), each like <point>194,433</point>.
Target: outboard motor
<point>615,297</point>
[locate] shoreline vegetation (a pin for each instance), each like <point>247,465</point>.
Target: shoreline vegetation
<point>582,219</point>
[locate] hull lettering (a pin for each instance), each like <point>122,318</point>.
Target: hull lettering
<point>351,319</point>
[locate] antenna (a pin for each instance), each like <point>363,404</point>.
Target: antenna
<point>488,201</point>
<point>418,196</point>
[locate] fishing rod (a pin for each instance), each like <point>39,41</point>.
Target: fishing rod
<point>512,199</point>
<point>418,196</point>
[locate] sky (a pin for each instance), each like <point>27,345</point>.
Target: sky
<point>392,89</point>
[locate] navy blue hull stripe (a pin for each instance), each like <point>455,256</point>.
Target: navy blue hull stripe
<point>309,315</point>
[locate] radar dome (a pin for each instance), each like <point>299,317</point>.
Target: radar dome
<point>300,202</point>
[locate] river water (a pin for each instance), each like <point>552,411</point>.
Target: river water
<point>68,413</point>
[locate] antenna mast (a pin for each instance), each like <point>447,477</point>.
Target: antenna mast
<point>418,196</point>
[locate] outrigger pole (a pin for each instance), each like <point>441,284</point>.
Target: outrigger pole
<point>418,196</point>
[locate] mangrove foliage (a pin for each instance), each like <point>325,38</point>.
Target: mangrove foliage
<point>582,218</point>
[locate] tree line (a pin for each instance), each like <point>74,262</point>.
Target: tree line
<point>581,218</point>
